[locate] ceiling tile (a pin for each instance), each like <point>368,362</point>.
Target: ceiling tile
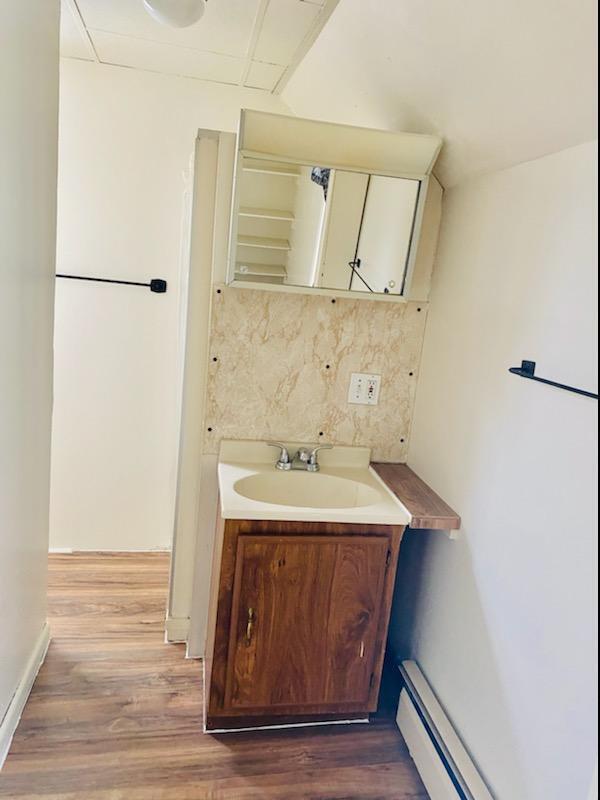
<point>73,42</point>
<point>263,76</point>
<point>226,26</point>
<point>285,25</point>
<point>169,59</point>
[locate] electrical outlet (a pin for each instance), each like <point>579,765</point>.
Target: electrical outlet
<point>364,389</point>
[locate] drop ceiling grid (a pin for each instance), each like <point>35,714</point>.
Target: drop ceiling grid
<point>251,43</point>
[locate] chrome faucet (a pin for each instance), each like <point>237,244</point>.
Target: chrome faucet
<point>305,458</point>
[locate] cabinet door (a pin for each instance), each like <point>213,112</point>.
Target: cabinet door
<point>386,233</point>
<point>305,616</point>
<point>345,204</point>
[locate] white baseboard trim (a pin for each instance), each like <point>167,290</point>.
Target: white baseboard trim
<point>430,768</point>
<point>193,653</point>
<point>8,726</point>
<point>177,629</point>
<point>593,795</point>
<point>442,760</point>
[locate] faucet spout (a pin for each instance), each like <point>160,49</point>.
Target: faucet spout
<point>306,458</point>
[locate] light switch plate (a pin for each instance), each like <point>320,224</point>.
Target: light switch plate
<point>364,389</point>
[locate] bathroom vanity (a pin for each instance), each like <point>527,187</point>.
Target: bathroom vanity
<point>303,575</point>
<point>313,246</point>
<point>319,215</point>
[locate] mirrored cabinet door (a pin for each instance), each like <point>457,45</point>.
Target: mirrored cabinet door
<point>369,232</point>
<point>307,225</point>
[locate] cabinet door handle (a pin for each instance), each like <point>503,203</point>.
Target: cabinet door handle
<point>250,625</point>
<point>361,652</point>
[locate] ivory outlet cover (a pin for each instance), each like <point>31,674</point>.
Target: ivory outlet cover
<point>364,389</point>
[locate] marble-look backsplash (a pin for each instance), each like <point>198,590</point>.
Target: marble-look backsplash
<point>283,364</point>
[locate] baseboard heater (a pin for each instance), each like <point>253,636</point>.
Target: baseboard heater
<point>444,765</point>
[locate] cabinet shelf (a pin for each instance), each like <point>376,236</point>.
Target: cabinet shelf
<point>266,168</point>
<point>266,213</point>
<point>263,242</point>
<point>273,270</point>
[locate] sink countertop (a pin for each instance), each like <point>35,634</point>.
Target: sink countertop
<point>239,460</point>
<point>427,509</point>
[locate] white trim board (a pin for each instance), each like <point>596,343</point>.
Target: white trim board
<point>9,724</point>
<point>442,761</point>
<point>282,727</point>
<point>73,551</point>
<point>593,795</point>
<point>429,766</point>
<point>177,629</point>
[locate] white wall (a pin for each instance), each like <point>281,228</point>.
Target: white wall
<point>28,145</point>
<point>501,82</point>
<point>504,619</point>
<point>126,138</point>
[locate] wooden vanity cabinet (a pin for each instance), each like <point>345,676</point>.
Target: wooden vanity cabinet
<point>298,621</point>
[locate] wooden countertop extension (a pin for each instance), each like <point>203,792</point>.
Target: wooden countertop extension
<point>427,508</point>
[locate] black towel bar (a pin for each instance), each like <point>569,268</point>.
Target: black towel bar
<point>527,370</point>
<point>158,285</point>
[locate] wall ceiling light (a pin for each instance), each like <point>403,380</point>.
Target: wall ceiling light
<point>176,13</point>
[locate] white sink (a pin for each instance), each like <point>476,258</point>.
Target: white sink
<point>345,490</point>
<point>306,490</point>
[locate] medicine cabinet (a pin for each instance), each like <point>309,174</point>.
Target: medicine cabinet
<point>331,208</point>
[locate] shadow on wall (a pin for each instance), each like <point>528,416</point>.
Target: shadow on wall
<point>409,616</point>
<point>407,593</point>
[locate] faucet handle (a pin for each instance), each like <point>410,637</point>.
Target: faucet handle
<point>284,461</point>
<point>313,463</point>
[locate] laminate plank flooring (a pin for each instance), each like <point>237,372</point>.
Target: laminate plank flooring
<point>116,713</point>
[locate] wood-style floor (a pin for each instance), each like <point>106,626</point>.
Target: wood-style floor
<point>115,713</point>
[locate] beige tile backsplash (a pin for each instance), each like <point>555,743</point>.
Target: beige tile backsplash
<point>284,362</point>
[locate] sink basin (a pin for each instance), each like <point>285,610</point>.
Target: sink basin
<point>345,490</point>
<point>306,490</point>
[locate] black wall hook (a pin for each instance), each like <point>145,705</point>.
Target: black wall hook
<point>527,370</point>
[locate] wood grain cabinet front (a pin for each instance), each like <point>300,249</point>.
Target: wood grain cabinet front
<point>298,621</point>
